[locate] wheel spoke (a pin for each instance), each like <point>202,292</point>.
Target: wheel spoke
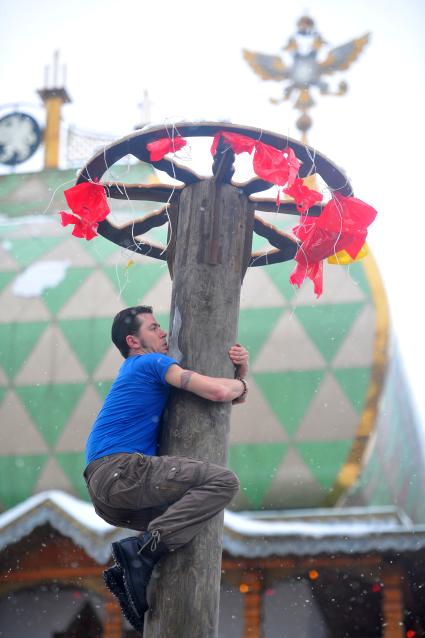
<point>125,236</point>
<point>277,238</point>
<point>254,186</point>
<point>178,171</point>
<point>173,168</point>
<point>143,192</point>
<point>268,205</point>
<point>268,257</point>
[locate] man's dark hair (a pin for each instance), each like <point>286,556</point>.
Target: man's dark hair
<point>125,323</point>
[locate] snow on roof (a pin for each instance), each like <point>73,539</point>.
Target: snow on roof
<point>248,534</point>
<point>81,511</point>
<point>70,516</point>
<point>336,525</point>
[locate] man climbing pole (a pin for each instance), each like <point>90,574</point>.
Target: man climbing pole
<point>167,498</point>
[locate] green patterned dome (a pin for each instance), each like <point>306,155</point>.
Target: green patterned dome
<point>315,365</point>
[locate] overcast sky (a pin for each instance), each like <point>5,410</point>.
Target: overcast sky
<point>188,55</point>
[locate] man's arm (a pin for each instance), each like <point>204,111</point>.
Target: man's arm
<point>211,388</point>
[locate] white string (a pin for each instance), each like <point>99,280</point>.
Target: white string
<point>45,211</point>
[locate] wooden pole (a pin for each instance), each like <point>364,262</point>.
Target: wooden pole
<point>392,604</point>
<point>212,245</point>
<point>253,604</point>
<point>112,626</point>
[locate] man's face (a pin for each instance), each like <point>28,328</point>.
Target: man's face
<point>150,334</point>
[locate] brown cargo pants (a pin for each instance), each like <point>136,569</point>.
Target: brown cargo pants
<point>174,495</point>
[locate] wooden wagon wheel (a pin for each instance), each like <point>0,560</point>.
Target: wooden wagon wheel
<point>285,246</point>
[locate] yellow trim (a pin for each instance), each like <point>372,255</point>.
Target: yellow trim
<point>351,469</point>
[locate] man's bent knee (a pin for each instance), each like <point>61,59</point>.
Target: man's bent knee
<point>232,483</point>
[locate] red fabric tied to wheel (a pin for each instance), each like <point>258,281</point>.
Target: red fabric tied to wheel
<point>342,225</point>
<point>304,196</point>
<point>89,206</point>
<point>269,163</point>
<point>277,167</point>
<point>238,143</point>
<point>160,148</point>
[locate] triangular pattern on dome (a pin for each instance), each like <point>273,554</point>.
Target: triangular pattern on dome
<point>254,422</point>
<point>96,297</point>
<point>21,309</point>
<point>52,477</point>
<point>73,464</point>
<point>259,243</point>
<point>358,347</point>
<point>6,277</point>
<point>289,394</point>
<point>109,365</point>
<point>56,297</point>
<point>324,459</point>
<point>287,348</point>
<point>100,249</point>
<point>328,325</point>
<point>6,260</point>
<point>256,466</point>
<point>71,250</point>
<point>354,382</point>
<point>103,388</point>
<point>259,291</point>
<point>48,228</point>
<point>132,284</point>
<point>31,190</point>
<point>22,473</point>
<point>159,296</point>
<point>279,274</point>
<point>18,433</point>
<point>89,339</point>
<point>358,273</point>
<point>51,361</point>
<point>156,235</point>
<point>50,406</point>
<point>240,502</point>
<point>124,255</point>
<point>382,495</point>
<point>338,288</point>
<point>17,340</point>
<point>27,250</point>
<point>255,325</point>
<point>330,416</point>
<point>74,435</point>
<point>414,494</point>
<point>293,485</point>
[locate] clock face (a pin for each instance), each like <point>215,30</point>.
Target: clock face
<point>20,136</point>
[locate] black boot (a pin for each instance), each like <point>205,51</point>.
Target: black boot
<point>137,556</point>
<point>114,581</point>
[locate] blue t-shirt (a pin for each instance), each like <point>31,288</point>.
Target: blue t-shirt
<point>129,419</point>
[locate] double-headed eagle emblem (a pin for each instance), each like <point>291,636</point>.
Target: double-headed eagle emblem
<point>308,68</point>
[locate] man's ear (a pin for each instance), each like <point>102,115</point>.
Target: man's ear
<point>132,342</point>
